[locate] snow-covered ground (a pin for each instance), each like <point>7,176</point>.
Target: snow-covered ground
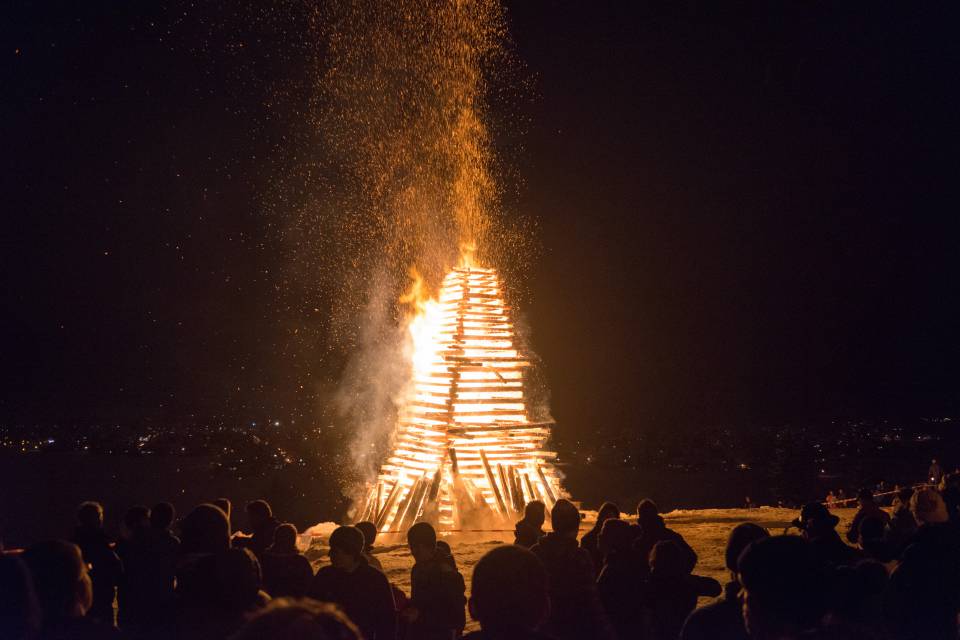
<point>706,530</point>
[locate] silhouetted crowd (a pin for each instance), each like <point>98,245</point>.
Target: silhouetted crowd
<point>891,575</point>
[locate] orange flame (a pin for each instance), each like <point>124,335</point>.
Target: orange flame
<point>464,443</point>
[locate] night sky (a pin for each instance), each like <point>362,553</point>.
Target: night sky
<point>744,214</point>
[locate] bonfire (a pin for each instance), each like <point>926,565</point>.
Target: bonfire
<point>465,452</point>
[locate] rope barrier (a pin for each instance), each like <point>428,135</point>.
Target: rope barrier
<point>877,495</point>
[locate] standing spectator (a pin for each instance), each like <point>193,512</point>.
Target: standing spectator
<point>651,529</point>
<point>233,595</point>
<point>224,505</point>
<point>362,591</point>
<point>131,549</point>
<point>575,609</point>
<point>617,584</point>
<point>64,592</point>
<point>530,528</point>
<point>105,567</point>
<point>508,595</point>
<point>163,547</point>
<point>669,592</point>
<point>19,609</point>
<point>369,531</point>
<point>831,499</point>
<point>819,528</point>
<point>782,588</point>
<point>928,508</point>
<point>868,509</point>
<point>299,620</point>
<point>923,598</point>
<point>149,556</point>
<point>934,472</point>
<point>723,620</point>
<point>590,540</point>
<point>286,572</point>
<point>262,525</point>
<point>903,525</point>
<point>205,535</point>
<point>437,589</point>
<point>855,601</point>
<point>951,496</point>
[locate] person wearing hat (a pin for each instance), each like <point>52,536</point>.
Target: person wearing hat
<point>361,591</point>
<point>819,527</point>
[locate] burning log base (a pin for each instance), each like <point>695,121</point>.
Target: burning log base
<point>465,453</point>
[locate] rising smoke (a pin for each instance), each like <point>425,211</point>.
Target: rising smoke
<point>402,174</point>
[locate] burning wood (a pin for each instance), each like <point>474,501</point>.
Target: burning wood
<point>464,445</point>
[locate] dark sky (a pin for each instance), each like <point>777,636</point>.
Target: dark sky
<point>745,214</point>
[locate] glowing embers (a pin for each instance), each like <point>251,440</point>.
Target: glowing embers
<point>465,451</point>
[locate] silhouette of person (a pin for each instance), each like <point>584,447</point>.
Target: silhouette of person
<point>224,505</point>
<point>445,554</point>
<point>723,620</point>
<point>590,540</point>
<point>360,590</point>
<point>818,526</point>
<point>868,509</point>
<point>262,525</point>
<point>437,589</point>
<point>855,601</point>
<point>105,566</point>
<point>286,572</point>
<point>617,584</point>
<point>130,598</point>
<point>934,472</point>
<point>652,529</point>
<point>669,593</point>
<point>508,595</point>
<point>951,496</point>
<point>292,619</point>
<point>149,556</point>
<point>903,525</point>
<point>575,609</point>
<point>874,540</point>
<point>923,597</point>
<point>64,592</point>
<point>530,528</point>
<point>19,608</point>
<point>205,534</point>
<point>369,531</point>
<point>782,588</point>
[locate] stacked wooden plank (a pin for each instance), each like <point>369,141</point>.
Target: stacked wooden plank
<point>464,448</point>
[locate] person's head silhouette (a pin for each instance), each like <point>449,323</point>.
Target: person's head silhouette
<point>509,591</point>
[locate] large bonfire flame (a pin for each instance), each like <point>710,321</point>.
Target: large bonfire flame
<point>464,451</point>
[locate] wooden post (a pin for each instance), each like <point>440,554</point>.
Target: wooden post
<point>546,486</point>
<point>507,489</point>
<point>493,483</point>
<point>417,493</point>
<point>518,502</point>
<point>388,505</point>
<point>530,491</point>
<point>404,505</point>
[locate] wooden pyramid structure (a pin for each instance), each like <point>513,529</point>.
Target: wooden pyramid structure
<point>465,454</point>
